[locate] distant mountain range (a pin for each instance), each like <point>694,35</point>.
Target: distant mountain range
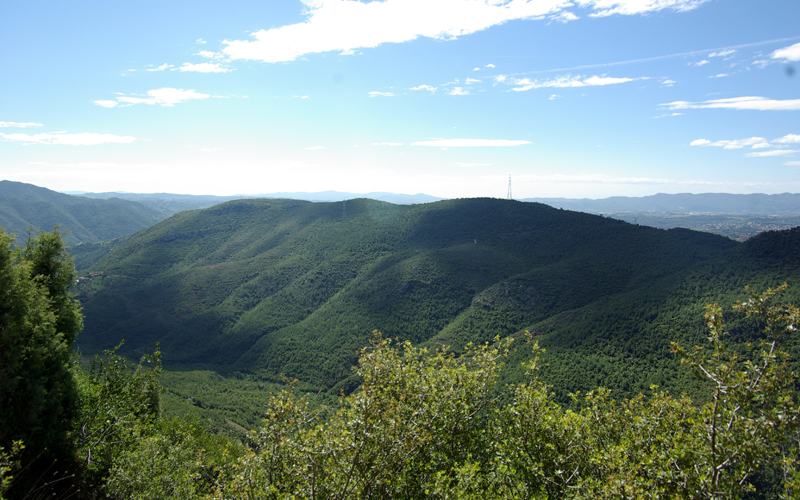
<point>174,203</point>
<point>707,203</point>
<point>85,220</point>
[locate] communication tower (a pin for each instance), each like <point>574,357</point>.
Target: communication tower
<point>509,188</point>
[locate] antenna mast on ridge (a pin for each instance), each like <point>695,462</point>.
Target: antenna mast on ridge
<point>509,188</point>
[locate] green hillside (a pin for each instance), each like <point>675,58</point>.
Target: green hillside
<point>272,287</point>
<point>84,220</point>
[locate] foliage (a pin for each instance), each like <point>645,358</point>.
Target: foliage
<point>9,463</point>
<point>39,320</point>
<point>414,415</point>
<point>118,405</point>
<point>175,458</point>
<point>431,426</point>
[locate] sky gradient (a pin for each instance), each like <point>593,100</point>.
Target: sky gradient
<point>582,98</point>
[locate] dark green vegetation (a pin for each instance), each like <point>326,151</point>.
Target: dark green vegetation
<point>271,287</point>
<point>83,220</point>
<point>420,424</point>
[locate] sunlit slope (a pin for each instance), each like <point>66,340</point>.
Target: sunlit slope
<point>281,286</point>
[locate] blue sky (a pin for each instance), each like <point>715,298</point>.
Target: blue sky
<point>581,98</point>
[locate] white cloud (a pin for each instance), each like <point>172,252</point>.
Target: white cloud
<point>490,65</point>
<point>720,75</point>
<point>300,96</point>
<point>164,96</point>
<point>795,164</point>
<point>20,124</point>
<point>754,142</point>
<point>790,53</point>
<point>200,40</point>
<point>564,17</point>
<point>106,104</point>
<point>476,69</point>
<point>82,139</point>
<point>472,80</point>
<point>469,143</point>
<point>387,143</point>
<point>566,81</point>
<point>552,97</point>
<point>749,103</point>
<point>314,148</point>
<point>161,68</point>
<point>699,63</point>
<point>605,8</point>
<point>204,68</point>
<point>774,152</point>
<point>788,139</point>
<point>375,93</point>
<point>424,87</point>
<point>343,25</point>
<point>458,91</point>
<point>210,55</point>
<point>666,82</point>
<point>722,53</point>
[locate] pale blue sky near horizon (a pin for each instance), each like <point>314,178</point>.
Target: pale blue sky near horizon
<point>574,99</point>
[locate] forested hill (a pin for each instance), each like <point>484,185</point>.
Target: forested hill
<point>277,287</point>
<point>83,220</point>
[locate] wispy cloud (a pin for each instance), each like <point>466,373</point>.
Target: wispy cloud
<point>160,68</point>
<point>20,124</point>
<point>375,93</point>
<point>699,63</point>
<point>424,87</point>
<point>204,68</point>
<point>564,81</point>
<point>490,65</point>
<point>754,142</point>
<point>469,143</point>
<point>722,53</point>
<point>164,96</point>
<point>387,143</point>
<point>81,139</point>
<point>472,80</point>
<point>210,55</point>
<point>720,75</point>
<point>743,103</point>
<point>794,164</point>
<point>342,25</point>
<point>564,17</point>
<point>459,91</point>
<point>790,53</point>
<point>774,152</point>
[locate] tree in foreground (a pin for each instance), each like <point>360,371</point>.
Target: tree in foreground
<point>39,321</point>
